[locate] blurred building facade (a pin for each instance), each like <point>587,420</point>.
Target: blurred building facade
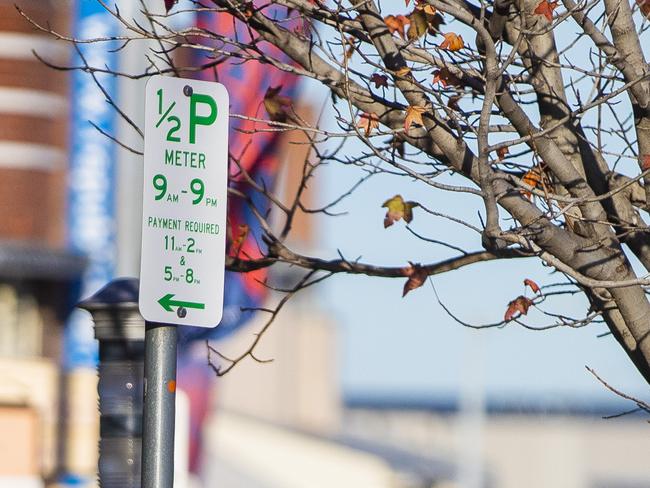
<point>36,271</point>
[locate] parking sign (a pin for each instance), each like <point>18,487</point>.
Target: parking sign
<point>184,201</point>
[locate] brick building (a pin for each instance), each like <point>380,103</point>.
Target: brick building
<point>35,270</point>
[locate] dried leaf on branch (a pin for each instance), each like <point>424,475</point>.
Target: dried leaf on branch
<point>417,275</point>
<point>424,21</point>
<point>425,7</point>
<point>546,8</point>
<point>644,7</point>
<point>533,286</point>
<point>368,122</point>
<point>403,72</point>
<point>445,77</point>
<point>452,42</point>
<point>398,209</point>
<point>379,80</point>
<point>519,305</point>
<point>397,23</point>
<point>535,177</point>
<point>413,116</point>
<point>277,106</point>
<point>419,25</point>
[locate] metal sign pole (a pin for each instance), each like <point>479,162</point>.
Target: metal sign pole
<point>159,406</point>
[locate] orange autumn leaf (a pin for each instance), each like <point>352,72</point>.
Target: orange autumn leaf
<point>276,105</point>
<point>501,153</point>
<point>417,276</point>
<point>533,177</point>
<point>425,7</point>
<point>368,122</point>
<point>397,23</point>
<point>452,42</point>
<point>645,163</point>
<point>398,209</point>
<point>520,305</point>
<point>546,8</point>
<point>379,80</point>
<point>644,6</point>
<point>445,77</point>
<point>413,115</point>
<point>533,286</point>
<point>403,71</point>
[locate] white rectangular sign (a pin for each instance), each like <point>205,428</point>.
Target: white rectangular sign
<point>184,201</point>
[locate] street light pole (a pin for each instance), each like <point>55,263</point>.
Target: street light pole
<point>120,330</point>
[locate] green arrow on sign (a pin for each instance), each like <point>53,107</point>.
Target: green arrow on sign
<point>167,303</point>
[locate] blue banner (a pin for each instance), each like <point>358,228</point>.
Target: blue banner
<point>91,174</point>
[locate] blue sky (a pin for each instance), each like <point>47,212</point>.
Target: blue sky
<point>410,346</point>
<point>392,344</point>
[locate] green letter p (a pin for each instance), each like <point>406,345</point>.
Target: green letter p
<point>195,120</point>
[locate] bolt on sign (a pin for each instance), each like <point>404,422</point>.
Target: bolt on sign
<point>184,202</point>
